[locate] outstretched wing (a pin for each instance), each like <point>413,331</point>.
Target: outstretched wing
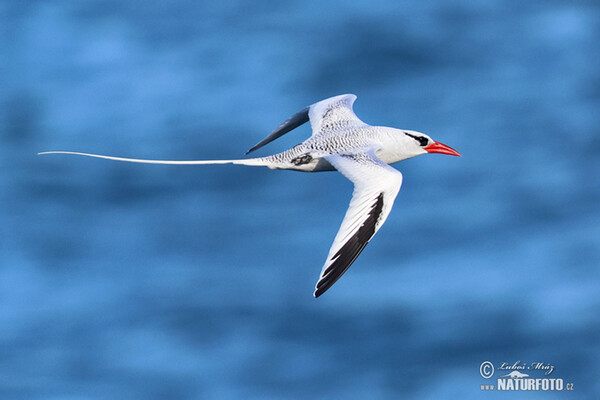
<point>329,114</point>
<point>333,114</point>
<point>291,123</point>
<point>376,185</point>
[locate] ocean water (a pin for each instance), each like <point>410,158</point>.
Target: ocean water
<point>128,281</point>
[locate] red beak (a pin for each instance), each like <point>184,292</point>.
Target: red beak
<point>437,147</point>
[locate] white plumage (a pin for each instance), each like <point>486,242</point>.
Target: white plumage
<point>340,141</point>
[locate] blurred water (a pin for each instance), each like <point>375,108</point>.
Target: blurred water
<point>160,282</point>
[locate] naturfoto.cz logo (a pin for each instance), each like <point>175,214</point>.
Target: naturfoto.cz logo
<point>517,377</point>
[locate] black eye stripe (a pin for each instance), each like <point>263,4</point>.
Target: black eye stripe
<point>421,139</point>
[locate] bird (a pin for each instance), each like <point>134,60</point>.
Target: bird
<point>339,141</point>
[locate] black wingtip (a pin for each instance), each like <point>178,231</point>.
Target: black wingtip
<point>291,123</point>
<point>350,251</point>
<point>257,146</point>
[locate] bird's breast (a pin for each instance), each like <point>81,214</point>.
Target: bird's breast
<point>388,157</point>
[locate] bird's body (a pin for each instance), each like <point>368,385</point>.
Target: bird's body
<point>340,141</point>
<point>310,155</point>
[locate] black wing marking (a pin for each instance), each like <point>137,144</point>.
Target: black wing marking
<point>291,123</point>
<point>376,185</point>
<point>351,249</point>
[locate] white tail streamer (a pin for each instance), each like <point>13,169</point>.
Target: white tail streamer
<point>250,161</point>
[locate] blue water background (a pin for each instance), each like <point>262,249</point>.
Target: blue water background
<point>130,281</point>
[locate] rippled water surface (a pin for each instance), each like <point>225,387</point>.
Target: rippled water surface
<point>128,281</point>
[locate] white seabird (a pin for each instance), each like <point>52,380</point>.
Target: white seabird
<point>361,152</point>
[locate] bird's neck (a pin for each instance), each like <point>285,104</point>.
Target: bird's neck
<point>395,146</point>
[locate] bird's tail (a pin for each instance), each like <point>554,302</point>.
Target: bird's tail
<point>249,161</point>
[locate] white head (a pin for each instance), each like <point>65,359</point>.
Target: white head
<point>416,143</point>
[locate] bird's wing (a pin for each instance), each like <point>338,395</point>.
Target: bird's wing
<point>376,185</point>
<point>329,114</point>
<point>333,114</point>
<point>289,124</point>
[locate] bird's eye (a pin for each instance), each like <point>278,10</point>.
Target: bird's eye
<point>423,141</point>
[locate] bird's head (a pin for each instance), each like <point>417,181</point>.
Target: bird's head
<point>419,143</point>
